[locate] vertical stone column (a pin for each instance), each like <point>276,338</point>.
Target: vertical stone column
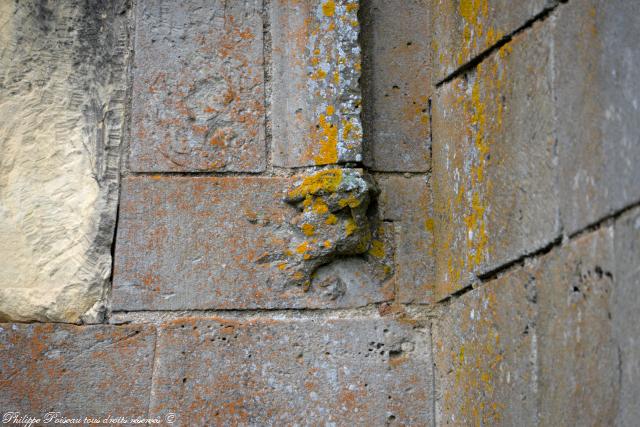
<point>316,95</point>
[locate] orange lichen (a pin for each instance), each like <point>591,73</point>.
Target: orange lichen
<point>308,229</point>
<point>303,247</point>
<point>329,8</point>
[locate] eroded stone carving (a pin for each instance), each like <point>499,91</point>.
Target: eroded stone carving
<point>333,220</point>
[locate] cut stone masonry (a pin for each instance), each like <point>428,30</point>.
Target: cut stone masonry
<point>482,271</point>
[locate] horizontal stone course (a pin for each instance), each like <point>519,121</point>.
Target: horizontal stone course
<point>79,371</point>
<point>198,87</point>
<point>230,243</point>
<point>216,371</point>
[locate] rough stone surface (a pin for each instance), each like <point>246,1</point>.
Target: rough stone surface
<point>407,203</point>
<point>293,372</point>
<point>316,96</point>
<point>396,84</point>
<point>62,86</point>
<point>485,355</point>
<point>78,371</point>
<point>198,86</point>
<point>465,28</point>
<point>626,316</point>
<point>495,196</point>
<point>598,87</point>
<point>232,243</point>
<point>533,347</point>
<point>324,199</point>
<point>578,358</point>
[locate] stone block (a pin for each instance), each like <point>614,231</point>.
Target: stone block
<point>626,317</point>
<point>198,87</point>
<point>407,203</point>
<point>597,85</point>
<point>78,371</point>
<point>463,29</point>
<point>396,57</point>
<point>316,96</point>
<point>486,357</point>
<point>235,243</point>
<point>62,96</point>
<point>578,356</point>
<point>293,372</point>
<point>495,196</point>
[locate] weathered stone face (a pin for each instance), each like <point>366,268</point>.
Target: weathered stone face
<point>536,346</point>
<point>578,357</point>
<point>85,371</point>
<point>495,192</point>
<point>485,355</point>
<point>62,84</point>
<point>334,220</point>
<point>198,86</point>
<point>235,243</point>
<point>598,113</point>
<point>626,317</point>
<point>407,203</point>
<point>463,29</point>
<point>396,84</point>
<point>316,96</point>
<point>285,372</point>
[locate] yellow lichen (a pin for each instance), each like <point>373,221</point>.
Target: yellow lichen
<point>331,219</point>
<point>328,151</point>
<point>350,227</point>
<point>324,181</point>
<point>351,201</point>
<point>377,249</point>
<point>319,206</point>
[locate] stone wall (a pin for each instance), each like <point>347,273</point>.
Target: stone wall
<point>374,212</point>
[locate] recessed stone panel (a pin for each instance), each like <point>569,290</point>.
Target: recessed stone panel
<point>407,202</point>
